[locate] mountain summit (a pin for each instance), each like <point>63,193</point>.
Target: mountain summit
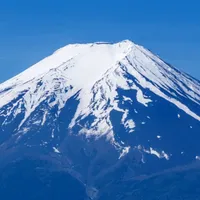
<point>105,114</point>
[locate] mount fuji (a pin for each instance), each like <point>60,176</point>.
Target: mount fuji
<point>100,121</point>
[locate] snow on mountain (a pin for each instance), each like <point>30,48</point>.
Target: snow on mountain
<point>93,73</point>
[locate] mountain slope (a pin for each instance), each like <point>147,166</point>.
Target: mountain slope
<point>102,111</point>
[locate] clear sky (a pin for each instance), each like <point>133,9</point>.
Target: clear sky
<point>31,30</point>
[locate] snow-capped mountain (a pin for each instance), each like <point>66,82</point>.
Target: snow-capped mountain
<point>95,106</point>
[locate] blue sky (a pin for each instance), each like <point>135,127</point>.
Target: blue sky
<point>31,30</point>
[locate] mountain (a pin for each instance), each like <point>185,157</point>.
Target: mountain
<point>100,121</point>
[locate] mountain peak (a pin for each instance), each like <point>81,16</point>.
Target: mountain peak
<point>100,112</point>
<point>95,72</point>
<point>100,109</point>
<point>111,53</point>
